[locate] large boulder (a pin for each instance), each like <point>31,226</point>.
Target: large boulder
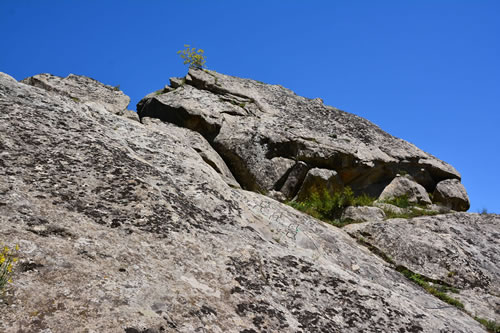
<point>460,250</point>
<point>250,123</point>
<point>403,186</point>
<point>452,194</point>
<point>124,227</point>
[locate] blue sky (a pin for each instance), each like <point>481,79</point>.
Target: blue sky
<point>424,71</point>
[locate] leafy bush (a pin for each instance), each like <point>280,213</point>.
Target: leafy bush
<point>7,260</point>
<point>193,57</point>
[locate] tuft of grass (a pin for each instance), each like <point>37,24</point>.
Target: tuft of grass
<point>7,260</point>
<point>413,212</point>
<point>329,208</point>
<point>75,99</point>
<point>116,88</point>
<point>490,325</point>
<point>433,287</point>
<point>401,201</point>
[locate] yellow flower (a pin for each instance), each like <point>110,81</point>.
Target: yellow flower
<point>17,247</point>
<point>2,259</point>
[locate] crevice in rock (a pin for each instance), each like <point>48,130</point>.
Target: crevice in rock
<point>238,168</point>
<point>435,287</point>
<point>178,116</point>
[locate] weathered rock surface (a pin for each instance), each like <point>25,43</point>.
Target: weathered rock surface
<point>461,249</point>
<point>403,186</point>
<point>250,123</point>
<point>83,89</point>
<point>363,214</point>
<point>452,194</point>
<point>126,227</point>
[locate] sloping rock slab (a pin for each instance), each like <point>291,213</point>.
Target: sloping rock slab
<point>249,123</point>
<point>83,89</point>
<point>123,228</point>
<point>461,249</point>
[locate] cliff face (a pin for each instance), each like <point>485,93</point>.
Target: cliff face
<point>128,226</point>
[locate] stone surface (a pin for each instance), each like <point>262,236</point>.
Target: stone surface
<point>319,181</point>
<point>83,89</point>
<point>125,227</point>
<point>452,194</point>
<point>403,186</point>
<point>461,249</point>
<point>294,179</point>
<point>388,207</point>
<point>250,123</point>
<point>363,214</point>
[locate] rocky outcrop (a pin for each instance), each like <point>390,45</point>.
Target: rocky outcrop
<point>451,193</point>
<point>85,90</point>
<point>460,250</point>
<point>403,186</point>
<point>250,124</point>
<point>133,227</point>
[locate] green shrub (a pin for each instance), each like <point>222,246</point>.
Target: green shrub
<point>193,57</point>
<point>329,208</point>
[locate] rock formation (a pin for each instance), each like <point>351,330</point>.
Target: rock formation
<point>159,226</point>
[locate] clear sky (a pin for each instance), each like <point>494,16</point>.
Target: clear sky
<point>427,71</point>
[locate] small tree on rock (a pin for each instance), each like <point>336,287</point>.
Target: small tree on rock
<point>193,57</point>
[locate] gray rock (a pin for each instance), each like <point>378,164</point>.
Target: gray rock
<point>294,179</point>
<point>250,123</point>
<point>452,194</point>
<point>319,181</point>
<point>461,249</point>
<point>363,214</point>
<point>82,89</point>
<point>198,144</point>
<point>401,186</point>
<point>388,207</point>
<point>132,115</point>
<point>123,226</point>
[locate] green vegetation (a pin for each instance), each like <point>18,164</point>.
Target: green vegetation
<point>411,209</point>
<point>193,57</point>
<point>490,325</point>
<point>434,287</point>
<point>116,88</point>
<point>7,260</point>
<point>329,208</point>
<point>401,201</point>
<point>77,100</point>
<point>412,212</point>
